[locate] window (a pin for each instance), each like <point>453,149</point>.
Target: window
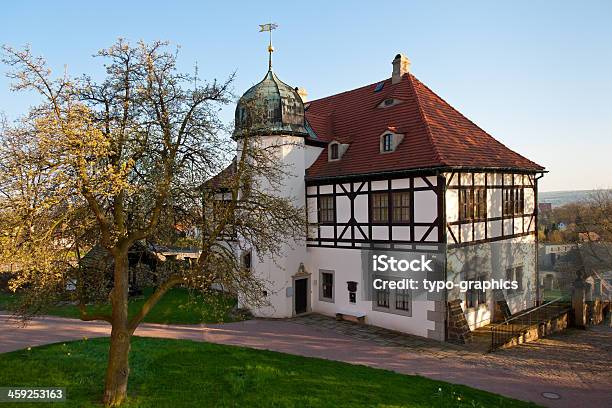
<point>476,297</point>
<point>513,201</point>
<point>398,209</point>
<point>246,260</point>
<point>387,140</point>
<point>515,274</point>
<point>401,207</point>
<point>382,297</point>
<point>480,204</point>
<point>334,151</point>
<point>402,299</point>
<point>472,204</point>
<point>327,211</point>
<point>519,200</point>
<point>396,301</point>
<point>326,292</point>
<point>518,275</point>
<point>380,207</point>
<point>466,204</point>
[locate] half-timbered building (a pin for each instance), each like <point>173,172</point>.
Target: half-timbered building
<point>391,166</point>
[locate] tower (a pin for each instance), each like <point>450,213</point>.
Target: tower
<point>271,113</point>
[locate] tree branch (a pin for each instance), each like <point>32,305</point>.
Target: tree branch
<point>152,301</point>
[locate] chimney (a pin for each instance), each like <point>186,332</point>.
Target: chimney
<point>302,92</point>
<point>401,65</point>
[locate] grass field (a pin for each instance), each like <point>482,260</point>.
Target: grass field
<point>182,373</point>
<point>178,306</point>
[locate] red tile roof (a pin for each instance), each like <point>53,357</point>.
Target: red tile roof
<point>435,134</point>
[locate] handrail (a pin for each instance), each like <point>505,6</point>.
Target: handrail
<point>499,336</point>
<point>529,311</point>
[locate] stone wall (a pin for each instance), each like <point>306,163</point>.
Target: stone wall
<point>458,330</point>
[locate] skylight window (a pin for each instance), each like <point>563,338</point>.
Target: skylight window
<point>379,87</point>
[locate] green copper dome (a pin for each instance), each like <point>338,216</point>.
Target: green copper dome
<point>270,108</point>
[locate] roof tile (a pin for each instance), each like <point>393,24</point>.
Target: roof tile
<point>435,134</point>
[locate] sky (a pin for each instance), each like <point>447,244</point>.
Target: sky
<point>534,74</point>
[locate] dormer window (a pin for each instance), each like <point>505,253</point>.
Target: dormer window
<point>388,102</point>
<point>334,151</point>
<point>387,142</point>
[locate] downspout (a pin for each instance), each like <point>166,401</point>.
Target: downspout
<point>444,244</point>
<point>537,243</point>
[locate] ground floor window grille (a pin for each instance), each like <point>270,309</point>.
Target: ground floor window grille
<point>397,301</point>
<point>382,298</point>
<point>402,299</point>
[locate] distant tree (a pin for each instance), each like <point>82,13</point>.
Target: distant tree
<point>126,160</point>
<point>593,220</point>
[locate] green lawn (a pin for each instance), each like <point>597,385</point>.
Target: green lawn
<point>178,306</point>
<point>182,373</point>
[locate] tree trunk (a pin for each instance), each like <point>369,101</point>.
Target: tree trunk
<point>118,369</point>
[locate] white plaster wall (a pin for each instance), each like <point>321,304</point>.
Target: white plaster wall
<point>380,185</point>
<point>479,179</point>
<point>347,266</point>
<point>311,206</point>
<point>450,179</point>
<point>494,203</point>
<point>400,183</point>
<point>291,151</point>
<point>400,233</point>
<point>326,189</point>
<point>529,199</point>
<point>452,205</point>
<point>327,231</point>
<point>425,206</point>
<point>494,259</point>
<point>508,226</point>
<point>495,228</point>
<point>380,232</point>
<point>361,208</point>
<point>343,209</point>
<point>479,231</point>
<point>420,181</point>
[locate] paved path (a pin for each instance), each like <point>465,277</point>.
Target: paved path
<point>575,365</point>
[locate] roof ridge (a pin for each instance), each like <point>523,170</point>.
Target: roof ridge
<point>469,120</point>
<point>424,117</point>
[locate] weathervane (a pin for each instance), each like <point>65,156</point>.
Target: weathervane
<point>269,27</point>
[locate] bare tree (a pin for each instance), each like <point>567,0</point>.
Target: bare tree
<point>593,218</point>
<point>123,160</point>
